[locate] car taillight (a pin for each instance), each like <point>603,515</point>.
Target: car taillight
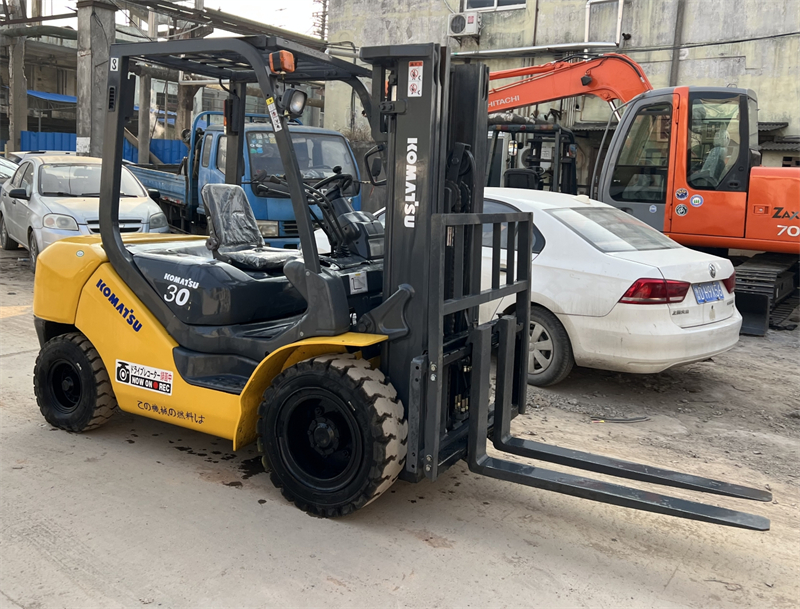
<point>655,291</point>
<point>730,283</point>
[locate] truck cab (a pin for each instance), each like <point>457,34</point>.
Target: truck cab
<point>319,152</point>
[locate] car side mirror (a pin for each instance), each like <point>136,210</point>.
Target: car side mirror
<point>154,194</point>
<point>19,193</point>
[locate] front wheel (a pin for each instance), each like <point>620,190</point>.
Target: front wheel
<point>332,433</point>
<point>550,357</point>
<point>71,384</point>
<point>33,251</point>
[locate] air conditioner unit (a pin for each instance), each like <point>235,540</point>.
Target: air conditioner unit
<point>464,24</point>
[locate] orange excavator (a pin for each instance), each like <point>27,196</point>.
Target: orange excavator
<point>684,160</point>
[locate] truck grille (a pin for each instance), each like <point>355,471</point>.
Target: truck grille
<point>125,226</point>
<point>290,228</point>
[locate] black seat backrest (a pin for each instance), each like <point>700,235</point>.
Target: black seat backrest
<point>231,223</point>
<point>522,178</point>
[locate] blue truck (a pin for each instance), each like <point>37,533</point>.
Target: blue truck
<point>318,152</point>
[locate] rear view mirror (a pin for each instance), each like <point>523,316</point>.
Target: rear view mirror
<point>372,160</point>
<point>376,167</point>
<point>154,194</point>
<point>18,193</point>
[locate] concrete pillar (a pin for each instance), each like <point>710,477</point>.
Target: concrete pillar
<point>18,84</point>
<point>144,118</point>
<point>96,33</point>
<point>186,95</point>
<point>676,43</point>
<point>36,10</point>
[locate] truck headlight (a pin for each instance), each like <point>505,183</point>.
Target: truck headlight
<point>268,228</point>
<point>60,222</point>
<point>158,220</point>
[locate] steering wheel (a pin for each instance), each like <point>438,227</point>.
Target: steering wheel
<point>345,180</point>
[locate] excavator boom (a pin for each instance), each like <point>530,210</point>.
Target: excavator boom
<point>609,77</point>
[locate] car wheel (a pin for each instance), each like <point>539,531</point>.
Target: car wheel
<point>6,242</point>
<point>550,357</point>
<point>33,250</point>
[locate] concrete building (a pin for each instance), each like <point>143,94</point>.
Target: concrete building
<point>766,60</point>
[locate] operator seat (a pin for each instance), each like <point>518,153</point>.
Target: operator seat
<point>233,232</point>
<point>714,164</point>
<point>529,179</point>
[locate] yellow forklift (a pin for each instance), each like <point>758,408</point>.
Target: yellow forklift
<point>349,369</point>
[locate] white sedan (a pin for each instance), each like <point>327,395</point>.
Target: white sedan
<point>610,292</point>
<point>53,196</point>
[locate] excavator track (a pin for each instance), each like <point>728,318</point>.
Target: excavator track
<point>762,283</point>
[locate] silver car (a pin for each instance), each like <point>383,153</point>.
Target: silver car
<point>51,197</point>
<point>7,169</point>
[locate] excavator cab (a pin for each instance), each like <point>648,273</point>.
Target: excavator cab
<point>681,157</point>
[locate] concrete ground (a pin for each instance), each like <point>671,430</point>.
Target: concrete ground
<point>140,513</point>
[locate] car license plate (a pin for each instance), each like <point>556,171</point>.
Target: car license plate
<point>708,292</point>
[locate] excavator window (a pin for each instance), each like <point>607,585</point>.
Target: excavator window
<point>713,141</point>
<point>643,165</point>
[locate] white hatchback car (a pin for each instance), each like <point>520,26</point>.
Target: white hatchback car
<point>54,196</point>
<point>610,292</point>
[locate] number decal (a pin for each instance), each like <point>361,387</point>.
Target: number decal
<point>181,297</point>
<point>792,231</point>
<point>114,61</point>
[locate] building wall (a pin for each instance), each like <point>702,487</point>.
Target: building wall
<point>770,66</point>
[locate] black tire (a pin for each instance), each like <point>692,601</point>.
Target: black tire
<point>33,251</point>
<point>71,384</point>
<point>332,434</point>
<point>550,357</point>
<point>6,242</point>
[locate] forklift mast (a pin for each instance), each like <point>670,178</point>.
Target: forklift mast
<point>432,119</point>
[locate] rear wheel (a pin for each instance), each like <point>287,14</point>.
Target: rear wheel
<point>6,242</point>
<point>33,251</point>
<point>550,357</point>
<point>71,384</point>
<point>332,433</point>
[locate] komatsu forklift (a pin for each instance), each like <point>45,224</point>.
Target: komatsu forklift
<point>349,369</point>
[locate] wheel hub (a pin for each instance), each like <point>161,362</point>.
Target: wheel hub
<point>319,439</point>
<point>65,386</point>
<point>324,436</point>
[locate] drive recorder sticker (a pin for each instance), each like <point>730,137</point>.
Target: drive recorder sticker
<point>144,377</point>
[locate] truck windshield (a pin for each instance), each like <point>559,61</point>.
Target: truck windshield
<point>317,155</point>
<point>75,180</point>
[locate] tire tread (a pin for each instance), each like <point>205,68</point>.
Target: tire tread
<point>389,428</point>
<point>105,401</point>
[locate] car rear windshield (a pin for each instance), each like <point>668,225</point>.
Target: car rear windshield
<point>74,180</point>
<point>612,230</point>
<point>317,155</point>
